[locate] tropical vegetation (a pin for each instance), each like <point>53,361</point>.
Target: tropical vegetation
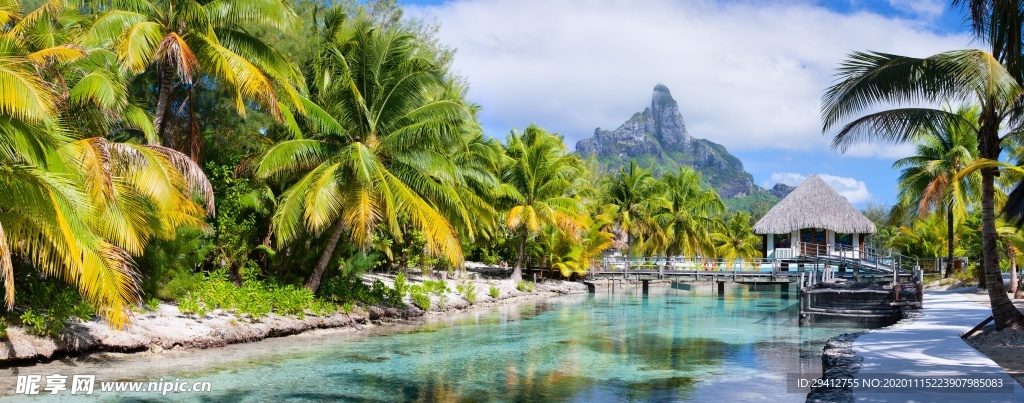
<point>262,156</point>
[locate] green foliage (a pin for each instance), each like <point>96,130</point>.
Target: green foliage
<point>348,290</point>
<point>254,298</point>
<point>494,292</point>
<point>153,304</point>
<point>401,286</point>
<point>526,286</point>
<point>421,300</point>
<point>48,304</point>
<point>435,286</point>
<point>168,267</point>
<point>468,291</point>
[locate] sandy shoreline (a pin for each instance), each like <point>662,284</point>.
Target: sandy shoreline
<point>167,328</point>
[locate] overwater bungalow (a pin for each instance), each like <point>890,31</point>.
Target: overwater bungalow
<point>813,220</point>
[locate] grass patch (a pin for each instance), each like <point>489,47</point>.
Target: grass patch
<point>526,286</point>
<point>254,298</point>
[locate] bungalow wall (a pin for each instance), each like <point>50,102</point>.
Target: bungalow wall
<point>772,250</point>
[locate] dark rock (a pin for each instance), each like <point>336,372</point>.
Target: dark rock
<point>658,137</point>
<point>781,190</point>
<point>838,362</point>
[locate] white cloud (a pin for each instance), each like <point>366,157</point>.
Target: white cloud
<point>787,178</point>
<point>748,75</point>
<point>923,8</point>
<point>855,191</point>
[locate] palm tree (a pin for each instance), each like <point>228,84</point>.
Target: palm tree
<point>929,180</point>
<point>736,239</point>
<point>869,79</point>
<point>377,149</point>
<point>540,185</point>
<point>638,198</point>
<point>690,214</point>
<point>923,238</point>
<point>185,40</point>
<point>43,213</point>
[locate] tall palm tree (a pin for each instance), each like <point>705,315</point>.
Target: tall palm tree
<point>185,40</point>
<point>378,148</point>
<point>690,214</point>
<point>929,180</point>
<point>540,183</point>
<point>867,80</point>
<point>736,239</point>
<point>638,198</point>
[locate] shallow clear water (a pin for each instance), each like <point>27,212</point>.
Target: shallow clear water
<point>673,345</point>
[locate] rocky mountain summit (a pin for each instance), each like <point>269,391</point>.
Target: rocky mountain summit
<point>781,190</point>
<point>658,137</point>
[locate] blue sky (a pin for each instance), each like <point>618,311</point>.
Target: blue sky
<point>747,74</point>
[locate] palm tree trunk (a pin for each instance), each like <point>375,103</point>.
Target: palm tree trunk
<point>163,105</point>
<point>1011,254</point>
<point>325,258</point>
<point>1004,312</point>
<point>1020,288</point>
<point>517,273</point>
<point>629,248</point>
<point>949,241</point>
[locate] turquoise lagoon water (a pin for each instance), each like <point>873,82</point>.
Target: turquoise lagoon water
<point>673,345</point>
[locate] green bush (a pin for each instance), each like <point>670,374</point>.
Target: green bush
<point>421,300</point>
<point>349,289</point>
<point>435,286</point>
<point>401,285</point>
<point>468,291</point>
<point>494,292</point>
<point>168,266</point>
<point>254,298</point>
<point>526,286</point>
<point>47,305</point>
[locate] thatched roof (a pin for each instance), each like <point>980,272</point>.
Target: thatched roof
<point>814,204</point>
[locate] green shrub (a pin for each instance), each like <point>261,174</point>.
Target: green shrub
<point>48,304</point>
<point>153,304</point>
<point>494,292</point>
<point>254,298</point>
<point>526,286</point>
<point>421,301</point>
<point>346,289</point>
<point>435,286</point>
<point>401,285</point>
<point>468,291</point>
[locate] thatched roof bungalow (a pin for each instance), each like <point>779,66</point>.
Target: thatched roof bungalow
<point>812,219</point>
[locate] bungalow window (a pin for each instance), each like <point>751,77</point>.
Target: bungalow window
<point>812,235</point>
<point>844,239</point>
<point>781,241</point>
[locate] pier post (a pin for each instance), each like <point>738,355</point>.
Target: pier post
<point>721,288</point>
<point>645,286</point>
<point>784,288</point>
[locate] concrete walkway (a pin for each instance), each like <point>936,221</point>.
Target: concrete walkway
<point>931,346</point>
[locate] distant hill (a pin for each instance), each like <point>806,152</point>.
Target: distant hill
<point>657,138</point>
<point>781,190</point>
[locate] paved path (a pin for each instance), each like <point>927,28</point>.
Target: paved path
<point>931,346</point>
